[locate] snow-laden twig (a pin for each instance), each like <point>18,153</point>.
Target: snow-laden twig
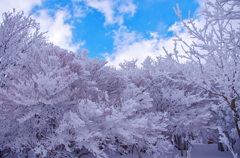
<point>223,139</point>
<point>177,156</point>
<point>189,152</point>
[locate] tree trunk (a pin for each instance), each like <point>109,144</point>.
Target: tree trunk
<point>181,151</point>
<point>220,146</point>
<point>236,116</point>
<point>185,145</point>
<point>177,141</point>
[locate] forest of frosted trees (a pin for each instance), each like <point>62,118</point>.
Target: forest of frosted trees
<point>56,103</point>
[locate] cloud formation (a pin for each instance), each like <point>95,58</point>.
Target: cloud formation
<point>113,10</point>
<point>128,44</point>
<point>131,45</point>
<point>58,31</point>
<point>25,5</point>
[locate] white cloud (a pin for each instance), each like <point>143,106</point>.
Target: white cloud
<point>59,32</point>
<point>140,50</point>
<point>113,10</point>
<point>127,7</point>
<point>176,28</point>
<point>105,7</point>
<point>25,5</point>
<point>143,48</point>
<point>130,45</point>
<point>79,11</point>
<point>123,37</point>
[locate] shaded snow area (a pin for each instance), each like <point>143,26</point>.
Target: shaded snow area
<point>197,151</point>
<point>205,151</point>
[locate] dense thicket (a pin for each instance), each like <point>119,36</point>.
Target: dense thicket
<point>56,103</point>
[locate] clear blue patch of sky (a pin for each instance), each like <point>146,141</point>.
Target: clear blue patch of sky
<point>97,37</point>
<point>151,15</point>
<point>51,5</point>
<point>158,15</point>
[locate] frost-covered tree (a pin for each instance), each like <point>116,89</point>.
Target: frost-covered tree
<point>214,60</point>
<point>57,103</point>
<point>18,34</point>
<point>35,85</point>
<point>189,115</point>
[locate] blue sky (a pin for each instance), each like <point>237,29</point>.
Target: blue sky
<point>114,30</point>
